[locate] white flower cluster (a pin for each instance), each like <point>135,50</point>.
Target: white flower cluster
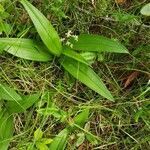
<point>68,35</point>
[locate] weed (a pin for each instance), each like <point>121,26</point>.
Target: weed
<point>65,112</point>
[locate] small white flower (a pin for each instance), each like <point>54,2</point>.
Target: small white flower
<point>62,39</point>
<point>68,43</point>
<point>75,37</point>
<point>68,34</point>
<point>71,45</point>
<point>93,2</point>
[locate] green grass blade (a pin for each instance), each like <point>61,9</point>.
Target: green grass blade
<point>87,42</point>
<point>46,31</point>
<point>9,94</point>
<point>6,129</point>
<point>60,141</point>
<point>82,118</point>
<point>26,102</point>
<point>87,76</point>
<point>74,55</point>
<point>26,49</point>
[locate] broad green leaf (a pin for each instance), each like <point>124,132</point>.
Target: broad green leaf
<point>87,76</point>
<point>90,57</point>
<point>74,55</point>
<point>9,94</point>
<point>87,42</point>
<point>25,48</point>
<point>60,141</point>
<point>146,10</point>
<point>82,118</point>
<point>26,102</point>
<point>6,129</point>
<point>46,31</point>
<point>38,134</point>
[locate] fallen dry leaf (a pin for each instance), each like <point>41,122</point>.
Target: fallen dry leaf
<point>130,78</point>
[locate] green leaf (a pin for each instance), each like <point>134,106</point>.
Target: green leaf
<point>38,134</point>
<point>6,129</point>
<point>80,140</point>
<point>1,8</point>
<point>4,27</point>
<point>87,76</point>
<point>146,10</point>
<point>46,31</point>
<point>124,17</point>
<point>90,57</point>
<point>56,112</point>
<point>91,139</point>
<point>82,118</point>
<point>1,49</point>
<point>30,146</point>
<point>46,141</point>
<point>60,141</point>
<point>87,42</point>
<point>26,102</point>
<point>74,55</point>
<point>25,48</point>
<point>9,94</point>
<point>41,146</point>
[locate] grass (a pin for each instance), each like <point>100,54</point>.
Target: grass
<point>123,124</point>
